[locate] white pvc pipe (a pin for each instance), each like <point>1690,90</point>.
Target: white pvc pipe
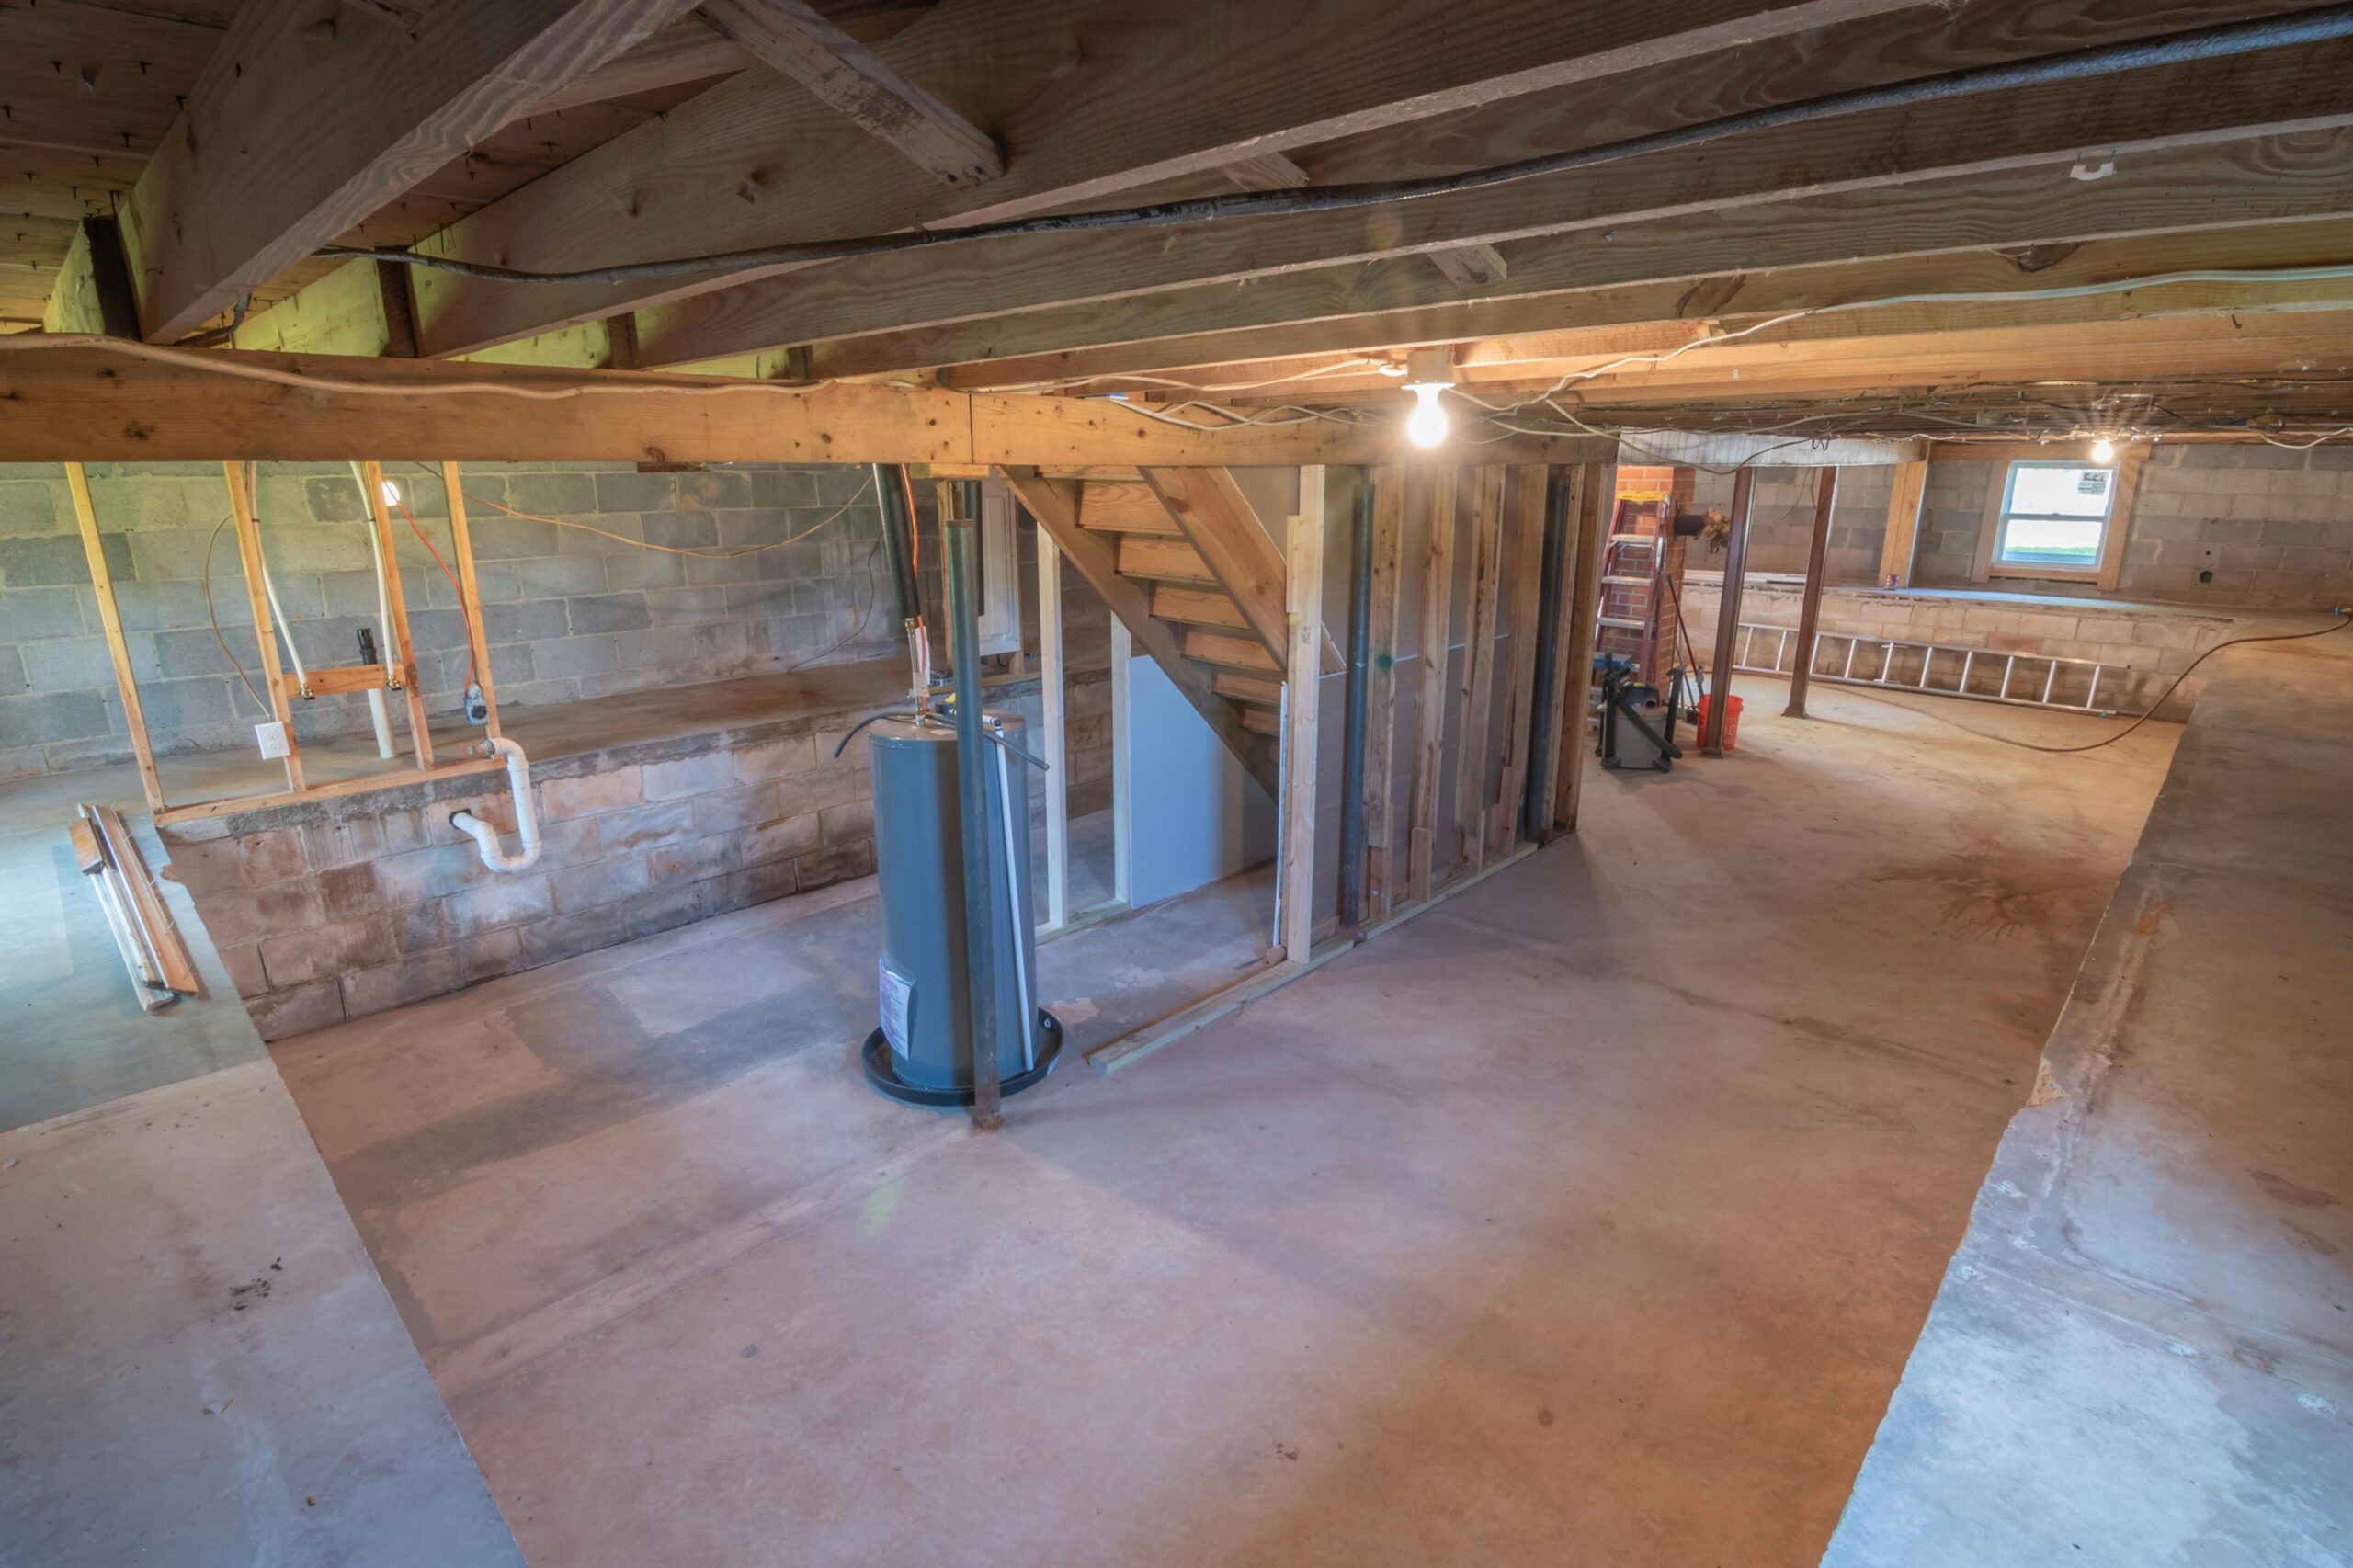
<point>526,826</point>
<point>376,553</point>
<point>380,713</point>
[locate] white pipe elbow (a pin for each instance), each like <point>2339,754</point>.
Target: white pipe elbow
<point>526,825</point>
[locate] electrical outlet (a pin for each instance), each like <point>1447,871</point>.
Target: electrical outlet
<point>270,735</point>
<point>477,705</point>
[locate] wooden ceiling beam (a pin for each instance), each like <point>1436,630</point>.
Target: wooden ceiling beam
<point>1745,258</point>
<point>74,402</point>
<point>2306,347</point>
<point>688,50</point>
<point>1088,98</point>
<point>302,124</point>
<point>2137,114</point>
<point>1537,357</point>
<point>792,39</point>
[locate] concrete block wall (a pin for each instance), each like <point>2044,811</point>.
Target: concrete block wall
<point>2231,525</point>
<point>1780,522</point>
<point>567,615</point>
<point>2226,524</point>
<point>336,908</point>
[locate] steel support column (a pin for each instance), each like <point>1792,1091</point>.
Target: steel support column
<point>1809,613</point>
<point>1712,737</point>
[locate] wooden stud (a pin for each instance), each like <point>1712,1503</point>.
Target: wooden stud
<point>1381,692</point>
<point>1303,603</point>
<point>1527,505</point>
<point>1558,747</point>
<point>257,596</point>
<point>1055,724</point>
<point>1595,512</point>
<point>462,542</point>
<point>86,516</point>
<point>1429,720</point>
<point>1478,680</point>
<point>1900,544</point>
<point>402,648</point>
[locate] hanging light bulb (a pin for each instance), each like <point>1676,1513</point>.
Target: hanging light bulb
<point>1427,425</point>
<point>2103,451</point>
<point>391,493</point>
<point>1428,371</point>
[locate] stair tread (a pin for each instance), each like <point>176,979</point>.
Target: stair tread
<point>1230,653</point>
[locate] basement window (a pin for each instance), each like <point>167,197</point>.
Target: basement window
<point>2055,517</point>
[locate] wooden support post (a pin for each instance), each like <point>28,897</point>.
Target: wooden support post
<point>1303,612</point>
<point>1595,516</point>
<point>241,507</point>
<point>1527,511</point>
<point>462,542</point>
<point>1810,611</point>
<point>85,514</point>
<point>1429,719</point>
<point>1900,545</point>
<point>1478,684</point>
<point>1055,723</point>
<point>1711,734</point>
<point>403,651</point>
<point>1380,693</point>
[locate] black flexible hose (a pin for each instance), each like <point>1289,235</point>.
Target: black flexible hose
<point>2206,44</point>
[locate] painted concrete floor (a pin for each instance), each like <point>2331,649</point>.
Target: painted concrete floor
<point>1587,1218</point>
<point>2143,1346</point>
<point>198,1365</point>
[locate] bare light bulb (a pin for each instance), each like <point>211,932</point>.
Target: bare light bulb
<point>1427,425</point>
<point>391,493</point>
<point>2103,451</point>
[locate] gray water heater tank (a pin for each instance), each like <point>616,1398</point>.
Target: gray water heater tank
<point>923,1052</point>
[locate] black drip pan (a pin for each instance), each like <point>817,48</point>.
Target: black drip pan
<point>883,1076</point>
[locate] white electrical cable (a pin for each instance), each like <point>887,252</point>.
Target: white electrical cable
<point>218,364</point>
<point>215,363</point>
<point>2063,291</point>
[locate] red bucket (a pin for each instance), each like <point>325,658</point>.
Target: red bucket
<point>1731,719</point>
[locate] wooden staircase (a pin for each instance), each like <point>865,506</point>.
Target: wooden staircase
<point>1196,578</point>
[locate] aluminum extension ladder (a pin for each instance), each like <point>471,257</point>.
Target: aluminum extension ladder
<point>1959,667</point>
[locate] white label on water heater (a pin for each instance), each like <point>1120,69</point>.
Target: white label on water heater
<point>896,994</point>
